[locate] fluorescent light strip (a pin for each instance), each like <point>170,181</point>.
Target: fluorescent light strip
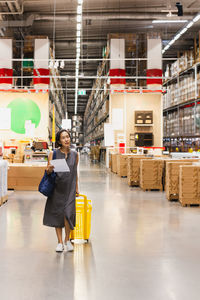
<point>78,48</point>
<point>79,10</point>
<point>79,18</point>
<point>169,21</point>
<point>79,26</point>
<point>189,24</point>
<point>180,33</point>
<point>196,18</point>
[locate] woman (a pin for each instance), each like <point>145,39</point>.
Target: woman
<point>60,210</point>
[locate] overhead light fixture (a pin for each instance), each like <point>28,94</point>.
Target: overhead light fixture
<point>177,36</point>
<point>181,32</point>
<point>167,47</point>
<point>189,24</point>
<point>56,65</point>
<point>79,26</point>
<point>79,18</point>
<point>62,64</point>
<point>196,18</point>
<point>51,64</point>
<point>171,42</point>
<point>169,21</point>
<point>78,49</point>
<point>79,9</point>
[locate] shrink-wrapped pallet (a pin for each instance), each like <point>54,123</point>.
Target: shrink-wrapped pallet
<point>189,185</point>
<point>190,160</point>
<point>122,161</point>
<point>151,174</point>
<point>133,169</point>
<point>114,162</point>
<point>172,179</point>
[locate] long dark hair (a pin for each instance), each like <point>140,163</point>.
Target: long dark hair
<point>58,134</point>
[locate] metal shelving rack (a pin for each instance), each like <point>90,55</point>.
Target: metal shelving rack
<point>91,112</point>
<point>177,132</point>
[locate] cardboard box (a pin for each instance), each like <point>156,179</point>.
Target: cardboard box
<point>189,185</point>
<point>114,162</point>
<point>122,164</point>
<point>25,177</point>
<point>151,179</point>
<point>172,179</point>
<point>133,169</point>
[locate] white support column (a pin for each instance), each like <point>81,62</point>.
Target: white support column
<point>154,62</point>
<point>41,67</point>
<point>117,63</point>
<point>6,65</point>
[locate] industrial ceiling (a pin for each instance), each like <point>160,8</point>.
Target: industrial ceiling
<point>100,18</point>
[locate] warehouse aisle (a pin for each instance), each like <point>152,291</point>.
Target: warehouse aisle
<point>142,247</point>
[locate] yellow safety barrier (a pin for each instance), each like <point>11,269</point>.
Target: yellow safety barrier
<point>83,219</point>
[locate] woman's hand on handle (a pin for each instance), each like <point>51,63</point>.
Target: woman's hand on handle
<point>49,169</point>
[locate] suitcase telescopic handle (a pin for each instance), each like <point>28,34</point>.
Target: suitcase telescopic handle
<point>85,212</point>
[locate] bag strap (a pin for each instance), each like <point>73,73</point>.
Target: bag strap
<point>54,154</point>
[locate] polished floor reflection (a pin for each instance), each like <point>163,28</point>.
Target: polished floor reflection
<point>142,247</point>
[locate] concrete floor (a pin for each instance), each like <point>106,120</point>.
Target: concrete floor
<point>142,247</point>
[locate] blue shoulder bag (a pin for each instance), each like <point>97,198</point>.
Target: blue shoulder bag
<point>47,183</point>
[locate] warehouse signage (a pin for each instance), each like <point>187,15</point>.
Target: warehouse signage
<point>82,92</point>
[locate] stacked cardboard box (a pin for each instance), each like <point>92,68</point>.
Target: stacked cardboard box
<point>151,174</point>
<point>189,185</point>
<point>180,93</point>
<point>133,169</point>
<point>25,177</point>
<point>181,161</point>
<point>122,160</point>
<point>95,153</point>
<point>172,179</point>
<point>114,162</point>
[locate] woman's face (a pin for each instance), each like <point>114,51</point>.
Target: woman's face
<point>65,139</point>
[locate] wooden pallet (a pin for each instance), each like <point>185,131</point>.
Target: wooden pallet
<point>152,189</point>
<point>3,199</point>
<point>190,204</point>
<point>173,197</point>
<point>134,184</point>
